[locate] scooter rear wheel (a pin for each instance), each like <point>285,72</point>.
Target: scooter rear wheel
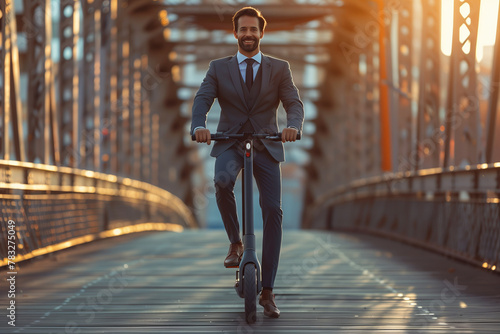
<point>250,292</point>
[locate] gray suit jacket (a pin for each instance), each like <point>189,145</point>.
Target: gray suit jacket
<point>223,82</point>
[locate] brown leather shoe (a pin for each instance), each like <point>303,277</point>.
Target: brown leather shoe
<point>266,299</point>
<point>234,255</point>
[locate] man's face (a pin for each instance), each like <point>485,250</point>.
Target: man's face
<point>248,34</point>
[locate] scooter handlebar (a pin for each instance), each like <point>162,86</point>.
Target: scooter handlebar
<point>228,136</point>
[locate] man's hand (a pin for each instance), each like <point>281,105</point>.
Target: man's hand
<point>289,134</point>
<point>202,136</point>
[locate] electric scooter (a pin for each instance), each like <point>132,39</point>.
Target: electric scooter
<point>248,276</point>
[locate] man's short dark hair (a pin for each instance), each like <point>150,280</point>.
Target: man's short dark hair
<point>249,11</point>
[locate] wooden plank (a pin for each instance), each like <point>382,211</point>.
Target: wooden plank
<point>327,283</point>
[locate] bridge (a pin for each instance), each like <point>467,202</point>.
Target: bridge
<point>391,199</point>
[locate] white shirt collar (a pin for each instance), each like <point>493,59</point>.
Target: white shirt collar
<point>241,58</point>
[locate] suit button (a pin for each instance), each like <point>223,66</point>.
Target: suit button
<point>241,123</point>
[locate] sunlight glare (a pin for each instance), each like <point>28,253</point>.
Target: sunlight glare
<point>446,26</point>
<point>488,16</point>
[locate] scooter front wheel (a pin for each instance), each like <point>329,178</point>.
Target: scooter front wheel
<point>250,292</point>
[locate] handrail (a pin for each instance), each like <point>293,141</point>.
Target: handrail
<point>398,183</point>
<point>454,211</point>
<point>52,205</point>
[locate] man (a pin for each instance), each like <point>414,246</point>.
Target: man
<point>249,87</point>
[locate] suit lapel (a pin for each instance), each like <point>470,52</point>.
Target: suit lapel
<point>266,69</point>
<point>234,72</point>
<point>266,74</point>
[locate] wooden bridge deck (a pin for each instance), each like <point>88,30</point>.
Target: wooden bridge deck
<point>327,283</point>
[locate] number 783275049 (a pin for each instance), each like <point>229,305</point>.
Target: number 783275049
<point>11,244</point>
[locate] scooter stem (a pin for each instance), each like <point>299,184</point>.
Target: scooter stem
<point>249,253</point>
<point>248,228</point>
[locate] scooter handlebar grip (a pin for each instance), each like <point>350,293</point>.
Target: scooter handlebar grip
<point>299,135</point>
<point>213,136</point>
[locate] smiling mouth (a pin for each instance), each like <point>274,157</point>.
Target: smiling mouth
<point>249,44</point>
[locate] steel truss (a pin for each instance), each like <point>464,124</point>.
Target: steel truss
<point>91,121</point>
<point>429,135</point>
<point>402,92</point>
<point>10,102</point>
<point>40,78</point>
<point>378,55</point>
<point>96,105</point>
<point>69,31</point>
<point>462,125</point>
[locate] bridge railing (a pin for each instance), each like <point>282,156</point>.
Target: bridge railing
<point>88,101</point>
<point>406,135</point>
<point>50,208</point>
<point>452,211</point>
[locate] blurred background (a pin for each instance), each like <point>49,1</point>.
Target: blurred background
<point>401,136</point>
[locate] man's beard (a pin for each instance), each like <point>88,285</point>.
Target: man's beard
<point>250,47</point>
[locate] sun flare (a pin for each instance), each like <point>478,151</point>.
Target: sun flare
<point>488,16</point>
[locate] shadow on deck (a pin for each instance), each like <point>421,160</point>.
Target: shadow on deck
<point>327,283</point>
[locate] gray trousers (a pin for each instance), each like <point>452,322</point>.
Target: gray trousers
<point>267,173</point>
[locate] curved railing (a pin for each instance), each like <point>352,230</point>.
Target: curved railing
<point>451,211</point>
<point>47,208</point>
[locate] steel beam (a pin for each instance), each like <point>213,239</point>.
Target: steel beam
<point>124,98</point>
<point>429,134</point>
<point>462,106</point>
<point>214,15</point>
<point>492,150</point>
<point>39,76</point>
<point>352,120</point>
<point>69,30</point>
<point>135,103</point>
<point>107,77</point>
<point>90,127</point>
<point>10,101</point>
<point>3,55</point>
<point>54,117</point>
<point>145,122</point>
<point>155,148</point>
<point>5,9</point>
<point>403,113</point>
<point>113,97</point>
<point>384,75</point>
<point>369,135</point>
